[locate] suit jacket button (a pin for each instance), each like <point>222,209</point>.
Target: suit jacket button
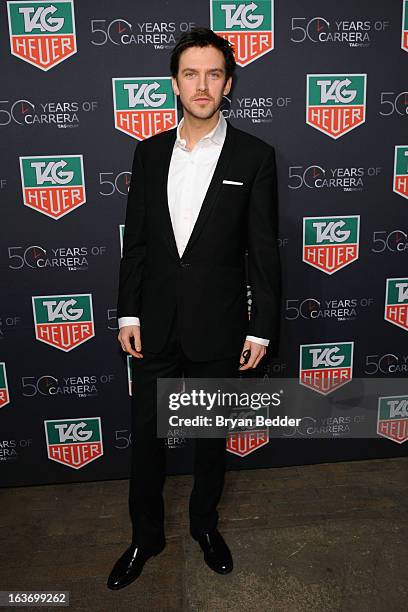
<point>184,264</point>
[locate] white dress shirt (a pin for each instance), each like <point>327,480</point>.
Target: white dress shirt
<point>189,177</point>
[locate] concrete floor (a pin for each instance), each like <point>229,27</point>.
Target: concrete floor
<point>323,538</point>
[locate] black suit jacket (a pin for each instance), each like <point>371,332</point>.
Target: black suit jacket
<point>207,285</point>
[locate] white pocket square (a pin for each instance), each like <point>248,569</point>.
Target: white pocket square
<point>232,182</point>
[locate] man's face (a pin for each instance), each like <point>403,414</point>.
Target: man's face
<point>201,82</point>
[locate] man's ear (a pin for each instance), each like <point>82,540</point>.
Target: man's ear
<point>175,86</point>
<point>227,86</point>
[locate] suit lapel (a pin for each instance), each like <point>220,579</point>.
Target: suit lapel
<point>168,227</point>
<point>212,191</point>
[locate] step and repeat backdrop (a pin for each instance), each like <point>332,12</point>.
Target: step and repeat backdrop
<point>83,81</point>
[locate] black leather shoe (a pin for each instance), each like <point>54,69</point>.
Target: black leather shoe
<point>217,555</point>
<point>129,566</point>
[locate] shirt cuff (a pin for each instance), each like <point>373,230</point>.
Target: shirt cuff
<point>122,321</point>
<point>262,341</point>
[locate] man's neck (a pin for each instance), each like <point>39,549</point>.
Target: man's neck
<point>193,129</point>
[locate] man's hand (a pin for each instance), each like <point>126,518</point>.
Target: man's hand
<point>125,334</point>
<point>257,352</point>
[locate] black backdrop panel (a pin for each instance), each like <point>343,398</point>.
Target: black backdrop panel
<point>325,83</point>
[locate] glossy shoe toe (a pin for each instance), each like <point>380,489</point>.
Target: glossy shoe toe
<point>129,567</point>
<point>217,555</point>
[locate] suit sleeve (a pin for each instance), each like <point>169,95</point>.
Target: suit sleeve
<point>263,254</point>
<point>134,244</point>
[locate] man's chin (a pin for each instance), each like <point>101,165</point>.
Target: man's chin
<point>203,113</point>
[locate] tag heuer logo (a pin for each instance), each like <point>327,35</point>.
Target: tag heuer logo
<point>325,367</point>
<point>53,184</point>
<point>242,443</point>
<point>335,104</point>
<point>404,39</point>
<point>396,302</point>
<point>247,25</point>
<point>244,440</point>
<point>330,243</point>
<point>144,106</point>
<point>42,33</point>
<point>63,321</point>
<point>4,391</point>
<point>74,442</point>
<point>401,170</point>
<point>392,422</point>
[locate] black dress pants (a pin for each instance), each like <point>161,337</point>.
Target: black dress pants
<point>148,466</point>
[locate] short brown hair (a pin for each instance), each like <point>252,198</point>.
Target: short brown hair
<point>203,37</point>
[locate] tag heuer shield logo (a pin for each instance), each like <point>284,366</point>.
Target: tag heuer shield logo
<point>335,104</point>
<point>404,39</point>
<point>247,25</point>
<point>330,243</point>
<point>392,422</point>
<point>396,302</point>
<point>244,440</point>
<point>63,321</point>
<point>53,184</point>
<point>42,33</point>
<point>4,392</point>
<point>401,170</point>
<point>242,443</point>
<point>74,442</point>
<point>325,367</point>
<point>144,106</point>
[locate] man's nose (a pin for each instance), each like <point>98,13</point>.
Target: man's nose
<point>202,83</point>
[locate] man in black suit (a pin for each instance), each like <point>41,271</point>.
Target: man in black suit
<point>200,196</point>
